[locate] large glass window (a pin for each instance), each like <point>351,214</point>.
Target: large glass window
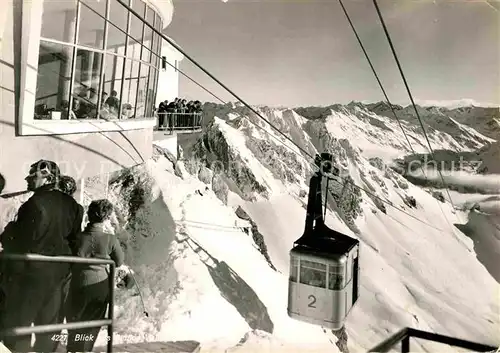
<point>313,273</point>
<point>97,60</point>
<point>54,77</point>
<point>86,84</point>
<point>91,28</point>
<point>142,91</point>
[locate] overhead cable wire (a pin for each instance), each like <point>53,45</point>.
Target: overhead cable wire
<point>193,80</point>
<point>431,152</point>
<point>383,91</point>
<point>376,75</point>
<point>388,36</point>
<point>385,201</point>
<point>171,42</point>
<point>346,181</point>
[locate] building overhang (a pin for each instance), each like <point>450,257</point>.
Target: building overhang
<point>164,8</point>
<point>58,127</point>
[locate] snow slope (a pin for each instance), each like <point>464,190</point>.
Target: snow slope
<point>223,290</point>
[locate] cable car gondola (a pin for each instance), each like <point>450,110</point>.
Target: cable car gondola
<point>324,264</point>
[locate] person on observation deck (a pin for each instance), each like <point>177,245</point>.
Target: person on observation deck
<point>89,292</point>
<point>46,224</point>
<point>162,109</point>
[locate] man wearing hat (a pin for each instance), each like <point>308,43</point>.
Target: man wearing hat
<point>46,224</point>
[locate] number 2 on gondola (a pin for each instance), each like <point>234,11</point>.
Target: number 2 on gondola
<point>312,298</point>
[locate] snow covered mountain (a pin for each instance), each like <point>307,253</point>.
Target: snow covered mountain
<point>221,220</point>
<point>373,128</point>
<point>209,234</point>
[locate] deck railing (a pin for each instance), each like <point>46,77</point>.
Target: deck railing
<point>180,121</point>
<point>405,334</point>
<point>28,330</point>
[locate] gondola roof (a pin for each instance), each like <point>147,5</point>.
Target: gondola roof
<point>326,242</point>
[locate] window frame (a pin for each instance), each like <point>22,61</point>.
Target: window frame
<point>294,269</point>
<point>30,46</point>
<point>313,266</point>
<point>340,269</point>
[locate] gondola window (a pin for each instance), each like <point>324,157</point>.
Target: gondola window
<point>313,273</point>
<point>294,269</point>
<point>336,277</point>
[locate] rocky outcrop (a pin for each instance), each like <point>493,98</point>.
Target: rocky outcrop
<point>131,191</point>
<point>341,339</point>
<point>489,156</point>
<point>347,200</point>
<point>284,164</point>
<point>438,195</point>
<point>213,152</point>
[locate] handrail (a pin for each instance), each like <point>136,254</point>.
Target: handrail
<point>21,331</point>
<point>386,345</point>
<point>178,113</point>
<point>174,121</point>
<point>405,334</point>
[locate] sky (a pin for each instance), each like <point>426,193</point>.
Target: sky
<point>303,52</point>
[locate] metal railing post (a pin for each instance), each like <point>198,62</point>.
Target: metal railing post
<point>28,330</point>
<point>405,344</point>
<point>111,305</point>
<point>405,334</point>
<point>390,342</point>
<point>180,121</point>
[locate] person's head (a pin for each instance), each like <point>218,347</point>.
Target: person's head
<point>67,185</point>
<point>42,173</point>
<point>100,211</point>
<point>114,93</point>
<point>76,104</point>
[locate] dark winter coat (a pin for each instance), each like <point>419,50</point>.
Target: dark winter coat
<point>94,242</point>
<point>46,224</point>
